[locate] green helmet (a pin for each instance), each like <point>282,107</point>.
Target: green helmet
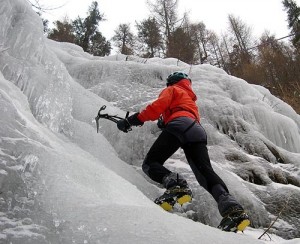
<point>175,77</point>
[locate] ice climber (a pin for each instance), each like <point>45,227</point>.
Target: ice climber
<point>177,112</point>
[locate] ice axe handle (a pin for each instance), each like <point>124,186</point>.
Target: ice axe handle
<point>99,116</point>
<point>127,114</point>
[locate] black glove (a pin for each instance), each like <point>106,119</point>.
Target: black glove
<point>125,124</point>
<point>133,120</point>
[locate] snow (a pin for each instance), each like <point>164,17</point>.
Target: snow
<point>61,182</point>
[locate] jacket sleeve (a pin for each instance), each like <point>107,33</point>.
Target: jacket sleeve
<point>156,108</point>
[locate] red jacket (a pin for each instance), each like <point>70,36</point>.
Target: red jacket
<point>174,101</point>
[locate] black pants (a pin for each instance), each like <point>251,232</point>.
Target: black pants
<point>197,156</point>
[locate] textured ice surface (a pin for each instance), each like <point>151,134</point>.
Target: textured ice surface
<point>63,183</point>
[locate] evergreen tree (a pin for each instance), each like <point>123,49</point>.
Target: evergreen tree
<point>45,22</point>
<point>165,13</point>
<point>149,35</point>
<point>62,32</point>
<point>86,32</point>
<point>181,45</point>
<point>293,12</point>
<point>99,45</point>
<point>86,28</point>
<point>124,39</point>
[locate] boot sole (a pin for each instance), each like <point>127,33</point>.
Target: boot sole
<point>243,225</point>
<point>166,206</point>
<point>182,200</point>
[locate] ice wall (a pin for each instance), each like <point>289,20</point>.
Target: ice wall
<point>29,64</point>
<point>244,107</point>
<point>241,120</point>
<point>54,192</point>
<point>251,133</point>
<point>65,187</point>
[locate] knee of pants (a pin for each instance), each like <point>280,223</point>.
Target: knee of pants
<point>145,166</point>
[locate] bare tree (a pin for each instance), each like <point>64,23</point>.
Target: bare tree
<point>38,7</point>
<point>200,38</point>
<point>224,47</point>
<point>242,33</point>
<point>213,41</point>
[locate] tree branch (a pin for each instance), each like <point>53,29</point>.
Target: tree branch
<point>284,206</point>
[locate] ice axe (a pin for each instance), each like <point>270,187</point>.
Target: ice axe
<point>113,118</point>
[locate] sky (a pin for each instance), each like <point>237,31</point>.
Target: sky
<point>260,15</point>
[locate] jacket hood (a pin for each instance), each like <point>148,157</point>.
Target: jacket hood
<point>186,84</point>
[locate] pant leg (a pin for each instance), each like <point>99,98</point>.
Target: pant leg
<point>198,158</point>
<point>163,148</point>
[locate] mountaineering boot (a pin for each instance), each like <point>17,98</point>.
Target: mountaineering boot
<point>173,179</point>
<point>234,217</point>
<point>235,220</point>
<point>176,194</point>
<point>177,191</point>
